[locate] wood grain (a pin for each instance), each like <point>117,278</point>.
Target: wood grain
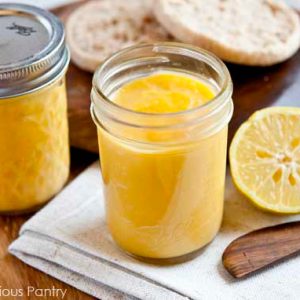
<point>14,273</point>
<point>261,248</point>
<point>254,88</point>
<point>79,83</point>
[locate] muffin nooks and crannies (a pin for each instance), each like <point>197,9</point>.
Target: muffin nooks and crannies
<point>99,28</point>
<point>250,32</point>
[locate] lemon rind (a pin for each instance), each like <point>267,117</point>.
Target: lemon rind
<point>243,188</point>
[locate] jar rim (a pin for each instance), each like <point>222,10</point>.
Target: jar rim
<point>224,92</point>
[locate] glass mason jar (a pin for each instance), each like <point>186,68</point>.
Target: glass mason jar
<point>163,174</point>
<point>34,146</point>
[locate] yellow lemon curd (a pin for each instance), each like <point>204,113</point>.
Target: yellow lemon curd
<point>164,93</point>
<point>167,201</point>
<point>34,148</point>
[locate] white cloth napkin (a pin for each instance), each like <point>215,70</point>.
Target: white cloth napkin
<point>68,240</point>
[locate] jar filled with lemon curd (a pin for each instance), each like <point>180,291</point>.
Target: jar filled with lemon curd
<point>162,113</point>
<point>34,147</point>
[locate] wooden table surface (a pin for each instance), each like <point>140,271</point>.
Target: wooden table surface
<point>254,88</point>
<point>14,274</point>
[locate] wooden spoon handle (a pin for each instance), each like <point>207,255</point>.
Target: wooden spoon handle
<point>260,248</point>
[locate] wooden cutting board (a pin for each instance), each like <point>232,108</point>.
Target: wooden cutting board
<point>254,88</point>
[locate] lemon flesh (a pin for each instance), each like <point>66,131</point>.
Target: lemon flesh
<point>265,159</point>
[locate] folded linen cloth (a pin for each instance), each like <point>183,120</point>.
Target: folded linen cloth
<point>68,240</point>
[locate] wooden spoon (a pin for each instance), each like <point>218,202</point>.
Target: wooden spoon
<point>261,248</point>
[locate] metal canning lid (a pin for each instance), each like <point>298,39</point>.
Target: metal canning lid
<point>32,49</point>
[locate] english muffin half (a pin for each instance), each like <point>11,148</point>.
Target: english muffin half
<point>97,29</point>
<point>250,32</point>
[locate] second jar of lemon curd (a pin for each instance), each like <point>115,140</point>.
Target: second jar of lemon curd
<point>162,113</point>
<point>34,147</point>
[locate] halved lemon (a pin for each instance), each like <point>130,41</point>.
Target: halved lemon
<point>265,159</point>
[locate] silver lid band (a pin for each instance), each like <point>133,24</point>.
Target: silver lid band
<point>33,51</point>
